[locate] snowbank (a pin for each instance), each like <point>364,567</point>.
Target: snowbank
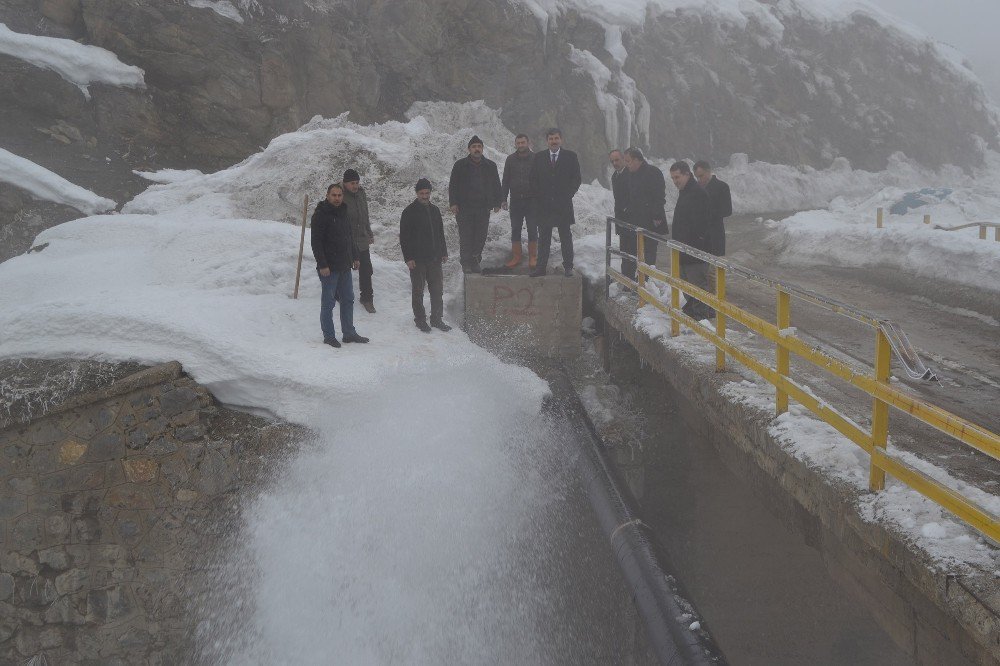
<point>42,184</point>
<point>77,63</point>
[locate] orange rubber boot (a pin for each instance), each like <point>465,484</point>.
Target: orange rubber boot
<point>532,253</point>
<point>516,255</point>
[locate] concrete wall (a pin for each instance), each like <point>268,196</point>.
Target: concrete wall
<point>517,316</point>
<point>107,509</point>
<point>939,617</point>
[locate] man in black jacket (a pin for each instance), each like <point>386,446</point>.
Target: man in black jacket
<point>474,189</point>
<point>721,201</point>
<point>618,178</point>
<point>421,238</point>
<point>555,179</point>
<point>516,182</point>
<point>644,201</point>
<point>336,254</point>
<point>356,200</point>
<point>692,220</point>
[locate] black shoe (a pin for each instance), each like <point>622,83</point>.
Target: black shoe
<point>422,325</point>
<point>440,325</point>
<point>568,272</point>
<point>539,271</point>
<point>476,268</point>
<point>332,342</point>
<point>355,338</point>
<point>369,306</point>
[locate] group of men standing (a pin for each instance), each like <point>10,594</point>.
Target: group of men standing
<point>703,203</point>
<point>537,189</point>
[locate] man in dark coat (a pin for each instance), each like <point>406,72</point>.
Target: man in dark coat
<point>516,182</point>
<point>555,178</point>
<point>336,254</point>
<point>644,201</point>
<point>692,221</point>
<point>421,238</point>
<point>721,201</point>
<point>618,178</point>
<point>356,200</point>
<point>474,189</point>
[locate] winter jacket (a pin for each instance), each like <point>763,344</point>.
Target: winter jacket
<point>474,185</point>
<point>516,180</point>
<point>555,185</point>
<point>692,219</point>
<point>331,237</point>
<point>421,233</point>
<point>357,212</point>
<point>721,202</point>
<point>646,197</point>
<point>619,188</point>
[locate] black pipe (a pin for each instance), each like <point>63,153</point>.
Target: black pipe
<point>665,609</point>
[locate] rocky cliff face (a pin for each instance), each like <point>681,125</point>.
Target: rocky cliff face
<point>223,78</point>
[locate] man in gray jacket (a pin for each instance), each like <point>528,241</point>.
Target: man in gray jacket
<point>357,212</point>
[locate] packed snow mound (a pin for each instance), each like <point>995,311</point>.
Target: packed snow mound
<point>77,63</point>
<point>846,233</point>
<point>390,157</point>
<point>215,294</point>
<point>43,184</point>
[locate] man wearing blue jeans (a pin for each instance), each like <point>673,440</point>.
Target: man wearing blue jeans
<point>336,255</point>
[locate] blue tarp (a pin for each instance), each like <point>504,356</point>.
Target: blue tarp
<point>911,200</point>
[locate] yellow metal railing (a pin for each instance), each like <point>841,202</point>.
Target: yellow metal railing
<point>888,339</point>
<point>983,226</point>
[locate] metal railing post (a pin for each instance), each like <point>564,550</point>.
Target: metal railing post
<point>781,356</point>
<point>996,234</point>
<point>675,294</point>
<point>720,319</point>
<point>607,259</point>
<point>879,215</point>
<point>880,409</point>
<point>640,257</point>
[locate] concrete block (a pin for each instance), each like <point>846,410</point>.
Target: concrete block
<point>517,316</point>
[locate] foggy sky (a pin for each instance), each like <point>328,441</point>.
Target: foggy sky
<point>971,26</point>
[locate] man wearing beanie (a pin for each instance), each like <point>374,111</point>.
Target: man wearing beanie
<point>421,238</point>
<point>357,212</point>
<point>473,190</point>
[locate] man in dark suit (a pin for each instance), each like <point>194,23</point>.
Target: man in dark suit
<point>555,179</point>
<point>721,201</point>
<point>644,201</point>
<point>692,219</point>
<point>618,177</point>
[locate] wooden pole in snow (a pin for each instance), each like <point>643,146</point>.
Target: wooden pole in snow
<point>302,246</point>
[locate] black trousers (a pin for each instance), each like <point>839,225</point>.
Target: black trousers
<point>473,227</point>
<point>697,274</point>
<point>365,277</point>
<point>428,273</point>
<point>522,213</point>
<point>629,242</point>
<point>545,245</point>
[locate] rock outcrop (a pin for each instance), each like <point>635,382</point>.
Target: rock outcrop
<point>779,83</point>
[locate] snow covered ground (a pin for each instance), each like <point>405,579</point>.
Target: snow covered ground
<point>200,269</point>
<point>42,184</point>
<point>77,63</point>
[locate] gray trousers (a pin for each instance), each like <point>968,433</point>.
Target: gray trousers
<point>473,227</point>
<point>697,274</point>
<point>428,273</point>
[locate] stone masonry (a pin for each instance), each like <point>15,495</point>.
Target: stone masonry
<point>517,316</point>
<point>107,504</point>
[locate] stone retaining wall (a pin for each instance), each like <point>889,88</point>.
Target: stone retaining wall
<point>107,505</point>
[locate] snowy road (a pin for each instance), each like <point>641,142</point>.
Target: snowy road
<point>961,344</point>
